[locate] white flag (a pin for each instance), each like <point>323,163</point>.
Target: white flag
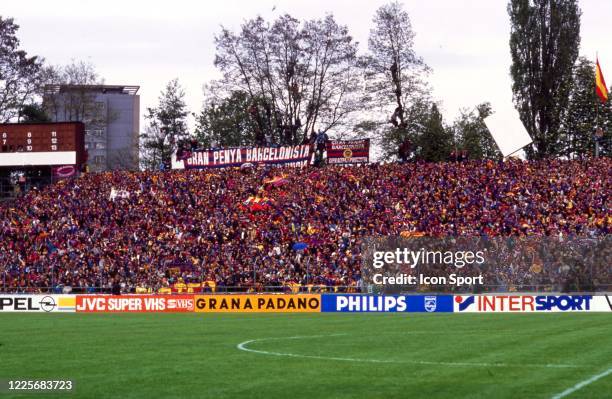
<point>508,130</point>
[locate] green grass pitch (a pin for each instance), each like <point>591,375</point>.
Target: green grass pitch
<point>310,355</point>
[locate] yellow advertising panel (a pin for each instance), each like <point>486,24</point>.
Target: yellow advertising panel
<point>67,302</point>
<point>282,303</point>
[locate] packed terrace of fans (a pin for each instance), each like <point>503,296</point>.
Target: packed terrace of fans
<point>256,227</point>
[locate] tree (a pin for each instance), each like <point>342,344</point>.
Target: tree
<point>20,75</point>
<point>585,113</point>
<point>299,76</point>
<point>226,122</point>
<point>33,113</point>
<point>436,142</point>
<point>167,127</point>
<point>395,79</point>
<point>417,116</point>
<point>544,44</point>
<point>472,134</point>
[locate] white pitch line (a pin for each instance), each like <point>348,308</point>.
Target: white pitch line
<point>576,387</point>
<point>243,347</point>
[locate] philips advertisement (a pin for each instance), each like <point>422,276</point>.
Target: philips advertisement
<point>387,303</point>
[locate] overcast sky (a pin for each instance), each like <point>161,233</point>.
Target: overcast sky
<point>149,42</point>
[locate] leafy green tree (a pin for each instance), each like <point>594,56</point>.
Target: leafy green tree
<point>33,113</point>
<point>166,129</point>
<point>472,134</point>
<point>436,142</point>
<point>20,75</point>
<point>585,114</point>
<point>226,122</point>
<point>544,44</point>
<point>417,116</point>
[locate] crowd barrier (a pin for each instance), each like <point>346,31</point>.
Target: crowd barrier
<point>541,289</point>
<point>307,303</point>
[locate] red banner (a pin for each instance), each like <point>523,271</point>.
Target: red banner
<point>134,303</point>
<point>348,151</point>
<point>298,155</point>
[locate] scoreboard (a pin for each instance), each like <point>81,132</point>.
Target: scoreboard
<point>61,143</point>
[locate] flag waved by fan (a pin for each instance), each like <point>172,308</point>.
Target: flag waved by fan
<point>256,203</point>
<point>600,84</point>
<point>276,181</point>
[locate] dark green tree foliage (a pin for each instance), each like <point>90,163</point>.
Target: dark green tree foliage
<point>417,116</point>
<point>226,122</point>
<point>544,44</point>
<point>584,112</point>
<point>472,134</point>
<point>167,127</point>
<point>436,142</point>
<point>33,113</point>
<point>20,76</point>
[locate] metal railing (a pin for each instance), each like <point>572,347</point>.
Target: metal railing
<point>315,289</point>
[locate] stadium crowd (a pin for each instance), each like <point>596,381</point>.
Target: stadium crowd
<point>256,227</point>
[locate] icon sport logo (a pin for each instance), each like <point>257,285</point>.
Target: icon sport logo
<point>464,303</point>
